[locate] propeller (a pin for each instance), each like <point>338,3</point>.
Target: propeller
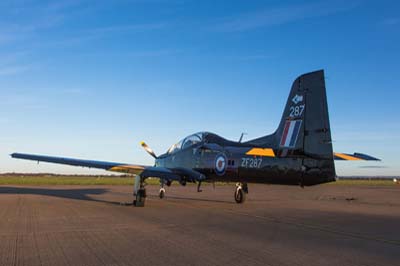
<point>148,149</point>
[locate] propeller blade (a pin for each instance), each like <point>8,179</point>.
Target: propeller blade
<point>148,149</point>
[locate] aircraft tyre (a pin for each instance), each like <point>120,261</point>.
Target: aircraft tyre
<point>140,198</point>
<point>161,194</point>
<point>240,193</point>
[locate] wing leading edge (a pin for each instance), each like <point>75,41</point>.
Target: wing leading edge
<point>145,171</point>
<point>109,166</point>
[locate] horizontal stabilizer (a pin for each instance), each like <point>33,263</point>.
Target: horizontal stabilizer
<point>354,157</point>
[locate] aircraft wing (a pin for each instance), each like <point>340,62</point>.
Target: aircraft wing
<point>145,171</point>
<point>109,166</point>
<point>354,157</point>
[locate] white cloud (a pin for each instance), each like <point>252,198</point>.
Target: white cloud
<point>128,28</point>
<point>152,53</point>
<point>14,69</point>
<point>280,15</point>
<point>390,21</point>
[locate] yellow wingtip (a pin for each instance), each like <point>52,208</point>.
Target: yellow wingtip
<point>347,157</point>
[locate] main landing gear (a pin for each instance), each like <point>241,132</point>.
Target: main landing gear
<point>240,192</point>
<point>139,192</point>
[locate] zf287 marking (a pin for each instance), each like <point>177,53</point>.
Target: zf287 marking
<point>251,162</point>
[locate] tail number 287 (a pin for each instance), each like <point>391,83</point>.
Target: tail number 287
<point>296,111</point>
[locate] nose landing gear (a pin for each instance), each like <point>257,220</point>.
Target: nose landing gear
<point>161,194</point>
<point>240,192</point>
<point>199,187</point>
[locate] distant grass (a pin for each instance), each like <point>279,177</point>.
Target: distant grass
<point>48,179</point>
<point>364,182</point>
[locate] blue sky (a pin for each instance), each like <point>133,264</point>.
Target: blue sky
<point>91,79</point>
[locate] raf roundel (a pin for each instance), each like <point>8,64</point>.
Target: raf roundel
<point>220,164</point>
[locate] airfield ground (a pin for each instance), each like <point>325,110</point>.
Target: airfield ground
<point>86,225</point>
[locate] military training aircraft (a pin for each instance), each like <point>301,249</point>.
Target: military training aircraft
<point>299,152</point>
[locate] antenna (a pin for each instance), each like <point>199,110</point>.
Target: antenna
<point>241,137</point>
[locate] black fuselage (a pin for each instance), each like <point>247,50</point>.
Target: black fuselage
<point>240,167</point>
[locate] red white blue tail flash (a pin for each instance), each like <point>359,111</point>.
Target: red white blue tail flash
<point>290,133</point>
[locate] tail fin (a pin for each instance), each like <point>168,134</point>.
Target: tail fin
<point>304,130</point>
<point>304,126</point>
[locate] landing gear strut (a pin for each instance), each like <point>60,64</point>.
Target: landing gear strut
<point>161,194</point>
<point>139,192</point>
<point>240,192</point>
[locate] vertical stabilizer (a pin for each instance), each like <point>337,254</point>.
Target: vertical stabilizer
<point>304,130</point>
<point>305,121</point>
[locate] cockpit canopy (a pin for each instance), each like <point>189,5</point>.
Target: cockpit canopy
<point>187,142</point>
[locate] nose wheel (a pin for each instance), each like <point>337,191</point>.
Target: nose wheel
<point>240,192</point>
<point>161,194</point>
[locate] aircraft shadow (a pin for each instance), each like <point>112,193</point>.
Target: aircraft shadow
<point>76,194</point>
<point>85,194</point>
<point>196,199</point>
